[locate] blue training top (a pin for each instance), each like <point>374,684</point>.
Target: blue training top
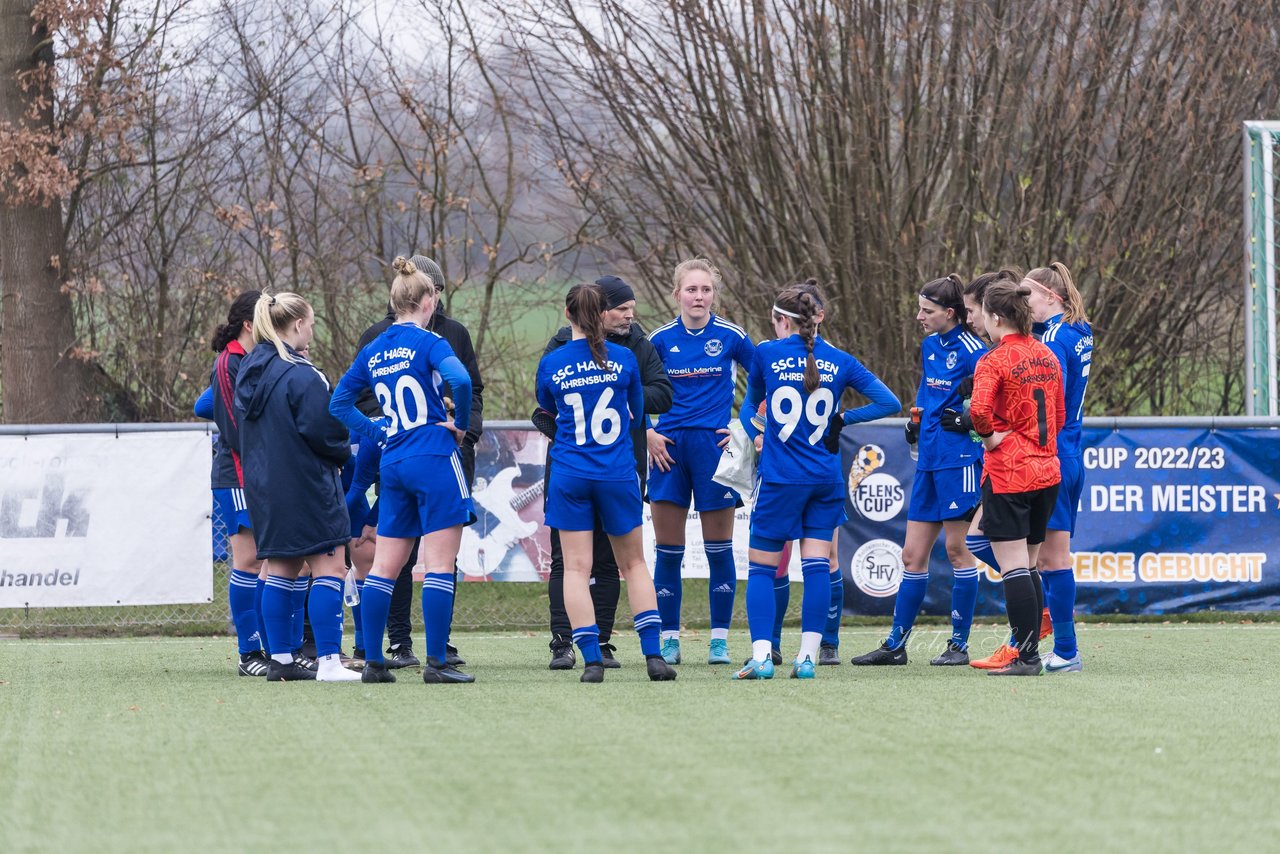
<point>1072,343</point>
<point>795,422</point>
<point>406,366</point>
<point>700,365</point>
<point>946,358</point>
<point>594,409</point>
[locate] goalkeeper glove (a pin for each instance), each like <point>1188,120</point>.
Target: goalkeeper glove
<point>956,421</point>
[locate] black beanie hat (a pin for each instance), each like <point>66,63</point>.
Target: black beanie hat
<point>616,291</point>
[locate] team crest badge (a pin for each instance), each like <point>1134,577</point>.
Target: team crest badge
<point>952,358</point>
<point>713,347</point>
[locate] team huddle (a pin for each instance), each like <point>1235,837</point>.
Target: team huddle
<point>995,430</point>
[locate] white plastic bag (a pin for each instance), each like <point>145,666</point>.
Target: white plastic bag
<point>737,466</point>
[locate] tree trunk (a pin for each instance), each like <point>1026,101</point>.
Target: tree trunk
<point>43,376</point>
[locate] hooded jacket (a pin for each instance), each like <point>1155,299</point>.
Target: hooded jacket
<point>653,376</point>
<point>292,452</point>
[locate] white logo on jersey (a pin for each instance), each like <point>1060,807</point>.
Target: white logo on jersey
<point>713,347</point>
<point>953,506</point>
<point>930,359</point>
<point>728,495</point>
<point>952,358</point>
<point>675,348</point>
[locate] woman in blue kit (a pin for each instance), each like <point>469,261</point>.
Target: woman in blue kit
<point>1059,308</point>
<point>801,379</point>
<point>292,451</point>
<point>594,388</point>
<point>700,352</point>
<point>231,341</point>
<point>423,489</point>
<point>947,488</point>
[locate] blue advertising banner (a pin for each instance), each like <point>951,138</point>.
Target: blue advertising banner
<point>1171,520</point>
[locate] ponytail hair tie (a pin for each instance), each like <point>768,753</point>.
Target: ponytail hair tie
<point>271,300</point>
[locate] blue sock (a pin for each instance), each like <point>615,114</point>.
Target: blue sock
<point>781,598</point>
<point>723,582</point>
<point>964,596</point>
<point>300,586</point>
<point>647,625</point>
<point>666,584</point>
<point>910,594</point>
<point>324,607</point>
<point>831,635</point>
<point>358,643</point>
<point>588,640</point>
<point>241,593</point>
<point>437,611</point>
<point>816,598</point>
<point>257,607</point>
<point>1060,597</point>
<point>760,601</point>
<point>277,613</point>
<point>375,604</point>
<point>980,547</point>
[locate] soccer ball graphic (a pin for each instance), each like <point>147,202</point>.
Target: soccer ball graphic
<point>868,459</point>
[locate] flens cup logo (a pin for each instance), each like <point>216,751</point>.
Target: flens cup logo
<point>876,495</point>
<point>877,568</point>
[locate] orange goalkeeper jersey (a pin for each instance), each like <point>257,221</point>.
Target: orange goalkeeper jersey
<point>1017,389</point>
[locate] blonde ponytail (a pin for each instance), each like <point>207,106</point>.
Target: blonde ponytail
<point>273,314</point>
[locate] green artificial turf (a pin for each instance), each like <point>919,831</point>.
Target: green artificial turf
<point>1169,740</point>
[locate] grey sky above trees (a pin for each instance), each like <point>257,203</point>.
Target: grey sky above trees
<point>300,146</point>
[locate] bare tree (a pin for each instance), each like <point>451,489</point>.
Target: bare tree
<point>877,146</point>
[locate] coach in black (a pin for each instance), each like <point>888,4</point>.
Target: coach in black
<point>620,328</point>
<point>400,651</point>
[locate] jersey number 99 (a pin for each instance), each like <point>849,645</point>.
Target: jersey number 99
<point>393,405</point>
<point>788,408</point>
<point>606,422</point>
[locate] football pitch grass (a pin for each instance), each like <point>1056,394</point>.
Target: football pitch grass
<point>1170,740</point>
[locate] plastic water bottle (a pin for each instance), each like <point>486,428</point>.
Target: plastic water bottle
<point>350,593</point>
<point>915,419</point>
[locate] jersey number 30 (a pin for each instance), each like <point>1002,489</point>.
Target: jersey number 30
<point>789,409</point>
<point>606,422</point>
<point>394,405</point>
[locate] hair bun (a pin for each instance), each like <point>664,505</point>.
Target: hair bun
<point>1023,291</point>
<point>403,266</point>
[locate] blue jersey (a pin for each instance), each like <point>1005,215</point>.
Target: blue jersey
<point>946,358</point>
<point>406,367</point>
<point>796,422</point>
<point>1072,343</point>
<point>700,365</point>
<point>594,409</point>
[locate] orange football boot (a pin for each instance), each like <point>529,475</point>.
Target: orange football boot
<point>1002,657</point>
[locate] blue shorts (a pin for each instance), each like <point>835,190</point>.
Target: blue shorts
<point>421,495</point>
<point>229,506</point>
<point>946,494</point>
<point>574,504</point>
<point>791,511</point>
<point>689,482</point>
<point>1064,511</point>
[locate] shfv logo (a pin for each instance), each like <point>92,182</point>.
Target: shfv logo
<point>877,568</point>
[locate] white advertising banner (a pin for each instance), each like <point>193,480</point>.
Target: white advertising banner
<point>695,556</point>
<point>105,519</point>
